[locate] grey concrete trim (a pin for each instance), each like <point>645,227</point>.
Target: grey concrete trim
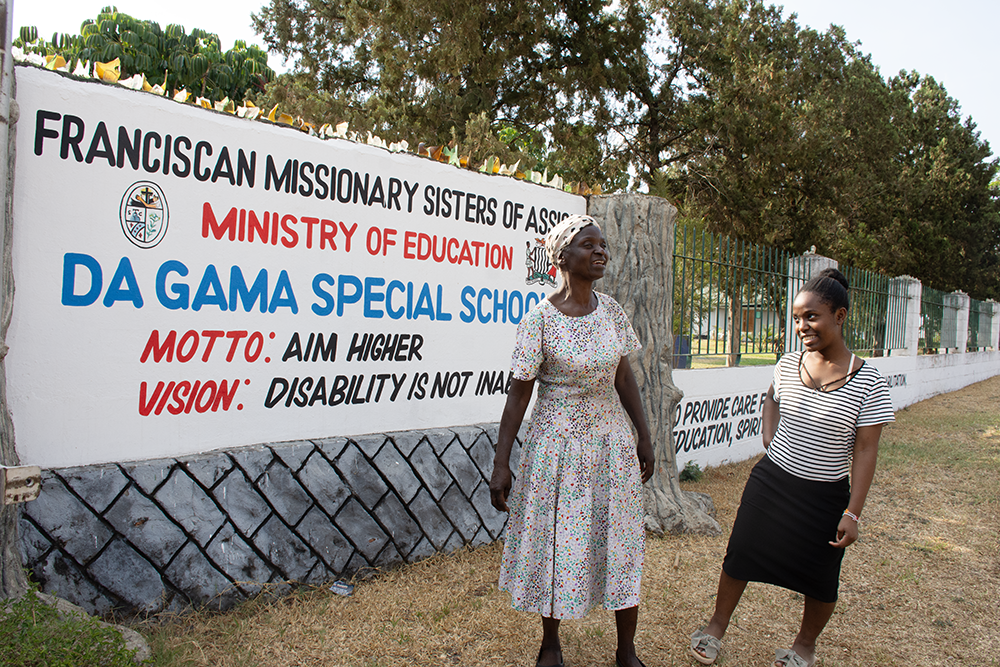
<point>210,530</point>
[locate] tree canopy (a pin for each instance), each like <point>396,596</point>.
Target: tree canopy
<point>419,69</point>
<point>750,123</point>
<point>171,57</point>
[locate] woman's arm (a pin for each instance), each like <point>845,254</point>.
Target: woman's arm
<point>628,391</point>
<point>862,473</point>
<point>513,413</point>
<point>772,415</point>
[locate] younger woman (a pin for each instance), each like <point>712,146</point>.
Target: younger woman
<point>802,504</point>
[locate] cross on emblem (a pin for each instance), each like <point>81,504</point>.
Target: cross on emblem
<point>147,196</point>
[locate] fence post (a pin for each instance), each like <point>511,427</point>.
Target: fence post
<point>904,295</point>
<point>800,270</point>
<point>955,322</point>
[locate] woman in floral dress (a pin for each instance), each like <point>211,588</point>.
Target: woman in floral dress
<point>575,537</point>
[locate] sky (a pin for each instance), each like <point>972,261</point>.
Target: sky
<point>953,42</point>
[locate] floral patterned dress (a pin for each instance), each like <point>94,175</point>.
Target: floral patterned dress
<point>575,535</point>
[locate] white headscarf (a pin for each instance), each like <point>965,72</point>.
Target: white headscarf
<point>562,235</point>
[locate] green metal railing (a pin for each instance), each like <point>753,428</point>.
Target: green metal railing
<point>729,299</point>
<point>876,322</point>
<point>731,306</point>
<point>731,303</point>
<point>980,326</point>
<point>931,319</point>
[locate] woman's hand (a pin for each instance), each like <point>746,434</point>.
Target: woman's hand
<point>647,461</point>
<point>500,487</point>
<point>862,473</point>
<point>510,421</point>
<point>628,391</point>
<point>771,416</point>
<point>847,532</point>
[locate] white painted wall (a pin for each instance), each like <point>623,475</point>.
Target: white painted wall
<point>718,420</point>
<point>83,388</point>
<point>715,423</point>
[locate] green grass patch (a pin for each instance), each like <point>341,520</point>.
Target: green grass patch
<point>719,361</point>
<point>692,472</point>
<point>707,353</point>
<point>34,634</point>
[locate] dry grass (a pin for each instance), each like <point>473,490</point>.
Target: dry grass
<point>920,588</point>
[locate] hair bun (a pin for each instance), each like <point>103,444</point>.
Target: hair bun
<point>832,288</point>
<point>836,275</point>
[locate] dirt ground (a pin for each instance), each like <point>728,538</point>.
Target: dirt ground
<point>921,587</point>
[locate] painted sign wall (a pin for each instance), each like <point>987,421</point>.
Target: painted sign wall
<point>187,280</point>
<point>719,418</point>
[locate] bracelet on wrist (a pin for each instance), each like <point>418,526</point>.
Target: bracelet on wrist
<point>854,516</point>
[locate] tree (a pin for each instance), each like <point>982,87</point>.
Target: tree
<point>794,139</point>
<point>420,69</point>
<point>777,134</point>
<point>546,74</point>
<point>171,57</point>
<point>947,208</point>
<point>760,129</point>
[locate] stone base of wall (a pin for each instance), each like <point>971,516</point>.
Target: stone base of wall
<point>208,531</point>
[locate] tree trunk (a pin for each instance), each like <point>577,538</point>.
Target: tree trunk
<point>640,234</point>
<point>12,580</point>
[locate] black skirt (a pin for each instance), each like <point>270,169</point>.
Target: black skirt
<point>783,529</point>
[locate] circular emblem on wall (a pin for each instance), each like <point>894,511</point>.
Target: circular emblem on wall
<point>144,214</point>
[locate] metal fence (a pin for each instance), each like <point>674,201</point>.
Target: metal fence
<point>729,299</point>
<point>731,303</point>
<point>931,320</point>
<point>980,325</point>
<point>876,321</point>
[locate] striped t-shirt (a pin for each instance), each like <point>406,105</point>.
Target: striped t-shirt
<point>815,436</point>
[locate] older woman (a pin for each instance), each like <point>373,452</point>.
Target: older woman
<point>575,536</point>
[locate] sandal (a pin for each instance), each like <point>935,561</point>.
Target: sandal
<point>788,658</point>
<point>707,644</point>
